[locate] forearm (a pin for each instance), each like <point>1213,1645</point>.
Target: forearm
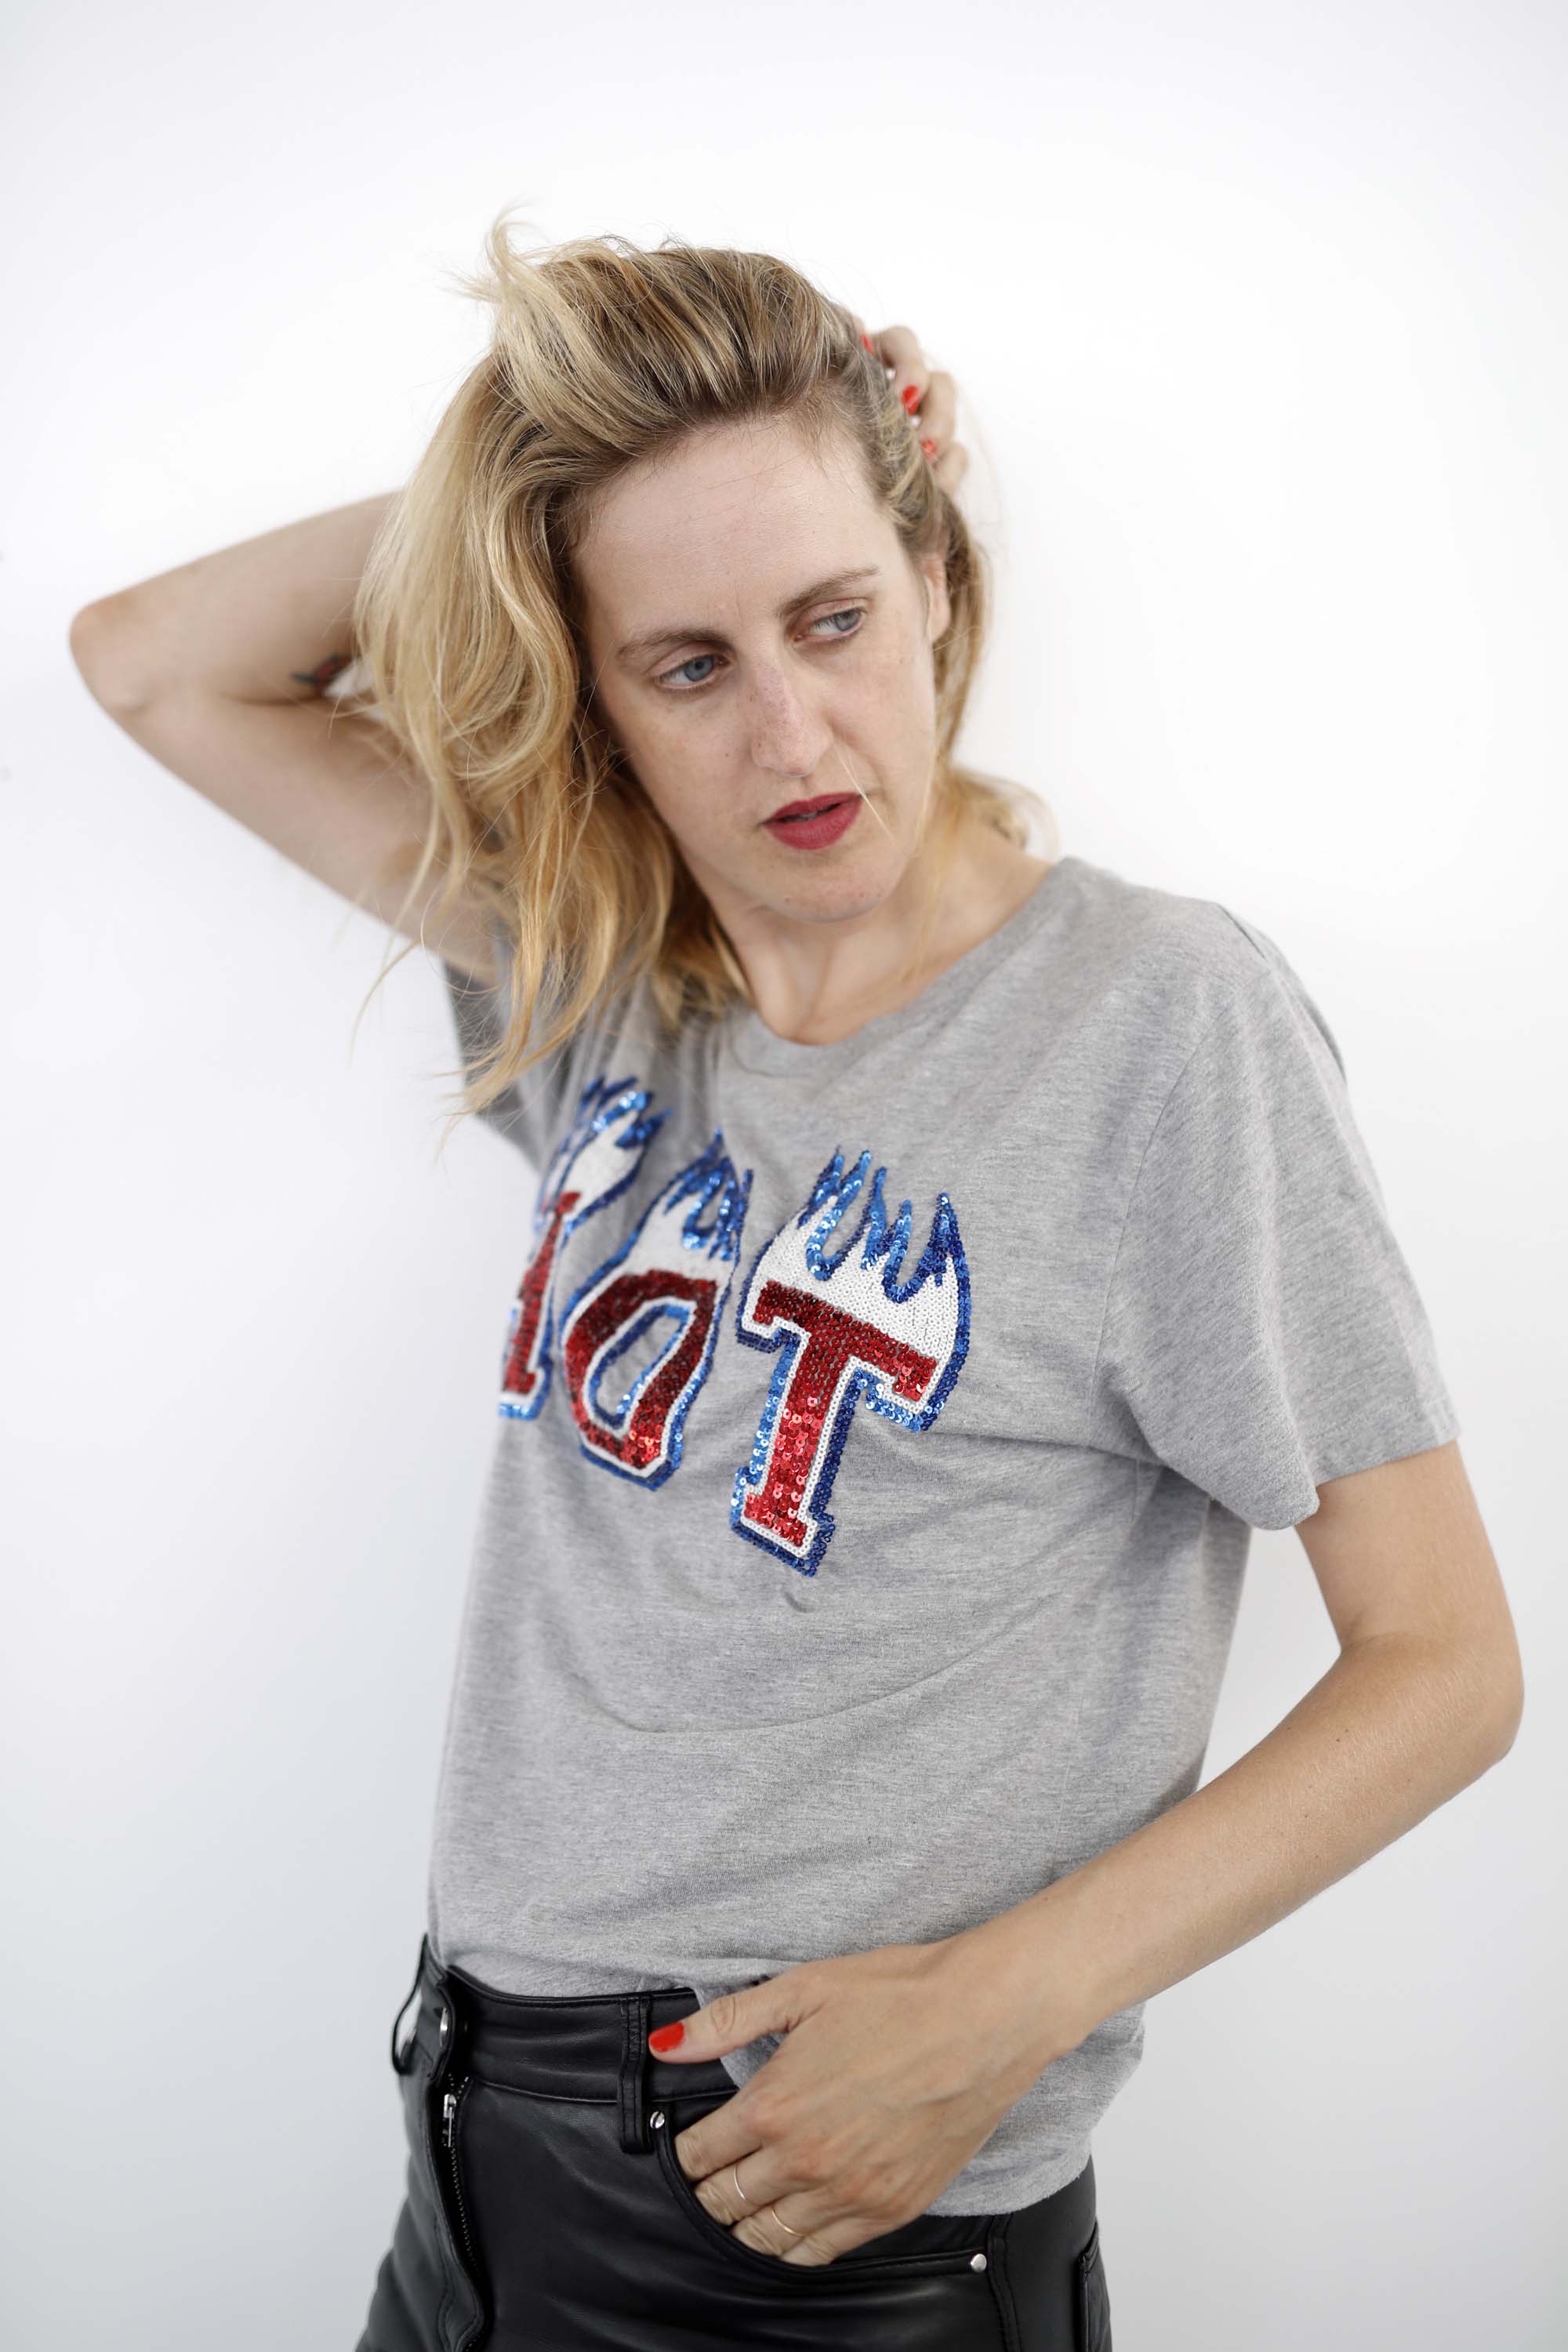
<point>266,620</point>
<point>1394,1729</point>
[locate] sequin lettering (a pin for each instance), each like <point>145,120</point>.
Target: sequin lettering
<point>595,1160</point>
<point>846,1325</point>
<point>674,1271</point>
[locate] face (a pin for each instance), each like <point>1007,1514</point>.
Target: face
<point>758,638</point>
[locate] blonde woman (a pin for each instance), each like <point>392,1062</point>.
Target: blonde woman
<point>941,1257</point>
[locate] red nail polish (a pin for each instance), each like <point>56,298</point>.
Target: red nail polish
<point>870,346</point>
<point>910,398</point>
<point>666,2037</point>
<point>929,448</point>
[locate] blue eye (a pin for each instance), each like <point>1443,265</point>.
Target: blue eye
<point>688,665</point>
<point>854,613</point>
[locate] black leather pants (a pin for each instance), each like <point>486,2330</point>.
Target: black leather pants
<point>546,2212</point>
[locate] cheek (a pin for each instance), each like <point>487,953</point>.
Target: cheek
<point>682,790</point>
<point>662,757</point>
<point>892,695</point>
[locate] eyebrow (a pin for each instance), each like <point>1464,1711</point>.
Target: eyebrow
<point>652,640</point>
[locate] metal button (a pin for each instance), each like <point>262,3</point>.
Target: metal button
<point>446,2023</point>
<point>977,2262</point>
<point>657,2119</point>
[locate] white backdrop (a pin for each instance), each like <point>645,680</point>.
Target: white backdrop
<point>1258,313</point>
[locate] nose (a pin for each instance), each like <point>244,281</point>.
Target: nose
<point>787,737</point>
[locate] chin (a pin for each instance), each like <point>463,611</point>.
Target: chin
<point>824,895</point>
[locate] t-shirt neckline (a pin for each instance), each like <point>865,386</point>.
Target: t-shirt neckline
<point>750,1042</point>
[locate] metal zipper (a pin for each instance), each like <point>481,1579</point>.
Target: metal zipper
<point>449,2105</point>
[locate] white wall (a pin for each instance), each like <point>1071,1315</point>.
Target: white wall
<point>1257,312</point>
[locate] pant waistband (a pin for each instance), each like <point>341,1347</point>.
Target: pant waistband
<point>591,2046</point>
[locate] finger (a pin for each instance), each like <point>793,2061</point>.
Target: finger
<point>707,2149</point>
<point>815,2243</point>
<point>938,409</point>
<point>898,348</point>
<point>789,2237</point>
<point>951,468</point>
<point>718,2194</point>
<point>767,2202</point>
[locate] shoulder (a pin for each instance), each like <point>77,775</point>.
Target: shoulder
<point>1183,954</point>
<point>1175,965</point>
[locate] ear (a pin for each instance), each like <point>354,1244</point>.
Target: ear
<point>939,607</point>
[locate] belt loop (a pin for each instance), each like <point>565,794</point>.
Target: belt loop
<point>402,2059</point>
<point>636,2010</point>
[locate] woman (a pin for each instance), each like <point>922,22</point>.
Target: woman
<point>941,1259</point>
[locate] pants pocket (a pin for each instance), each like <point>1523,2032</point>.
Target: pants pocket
<point>1091,2299</point>
<point>932,2246</point>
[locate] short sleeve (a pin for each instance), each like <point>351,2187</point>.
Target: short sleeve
<point>531,1112</point>
<point>1262,1331</point>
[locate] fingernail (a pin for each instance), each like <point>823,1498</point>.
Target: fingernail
<point>910,398</point>
<point>929,448</point>
<point>666,2037</point>
<point>870,346</point>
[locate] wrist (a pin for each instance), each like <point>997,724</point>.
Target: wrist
<point>1029,1964</point>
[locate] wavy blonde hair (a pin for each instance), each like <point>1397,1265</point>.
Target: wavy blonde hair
<point>468,620</point>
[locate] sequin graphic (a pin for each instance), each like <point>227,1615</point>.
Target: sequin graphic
<point>595,1161</point>
<point>846,1326</point>
<point>674,1271</point>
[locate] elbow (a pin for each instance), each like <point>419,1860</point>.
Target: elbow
<point>88,631</point>
<point>101,644</point>
<point>1501,1709</point>
<point>1513,1715</point>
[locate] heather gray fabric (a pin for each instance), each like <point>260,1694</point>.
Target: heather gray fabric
<point>881,1429</point>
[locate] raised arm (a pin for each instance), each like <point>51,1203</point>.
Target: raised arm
<point>219,670</point>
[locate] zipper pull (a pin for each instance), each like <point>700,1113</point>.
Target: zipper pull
<point>448,2109</point>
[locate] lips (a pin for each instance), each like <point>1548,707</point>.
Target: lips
<point>814,823</point>
<point>793,809</point>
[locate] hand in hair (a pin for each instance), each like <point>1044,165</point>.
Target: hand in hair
<point>935,407</point>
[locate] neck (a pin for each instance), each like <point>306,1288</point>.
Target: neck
<point>818,982</point>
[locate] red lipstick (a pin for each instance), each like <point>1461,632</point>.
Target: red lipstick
<point>812,825</point>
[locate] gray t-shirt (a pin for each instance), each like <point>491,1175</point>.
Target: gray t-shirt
<point>880,1431</point>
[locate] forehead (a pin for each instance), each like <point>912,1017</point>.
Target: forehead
<point>733,511</point>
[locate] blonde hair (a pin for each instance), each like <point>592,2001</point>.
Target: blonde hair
<point>468,620</point>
